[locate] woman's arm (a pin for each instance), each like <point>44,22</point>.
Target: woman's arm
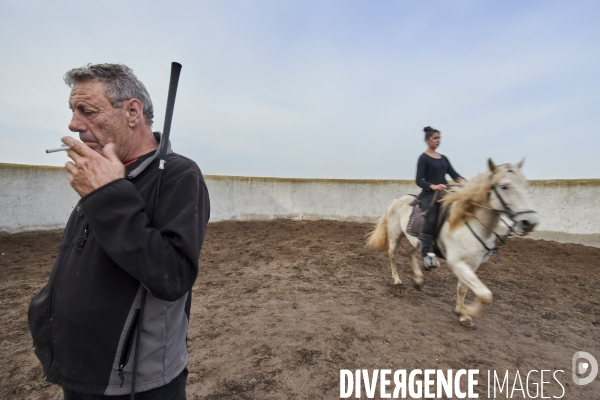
<point>453,174</point>
<point>420,179</point>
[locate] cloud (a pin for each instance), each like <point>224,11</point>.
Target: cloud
<point>323,89</point>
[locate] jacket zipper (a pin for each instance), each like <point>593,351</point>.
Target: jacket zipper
<point>82,241</point>
<point>57,276</point>
<point>127,346</point>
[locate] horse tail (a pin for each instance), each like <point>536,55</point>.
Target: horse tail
<point>378,237</point>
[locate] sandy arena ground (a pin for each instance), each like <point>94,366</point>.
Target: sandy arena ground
<point>280,307</point>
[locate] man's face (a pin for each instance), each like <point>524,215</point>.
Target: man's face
<point>97,122</point>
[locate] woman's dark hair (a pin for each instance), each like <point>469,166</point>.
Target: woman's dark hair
<point>429,131</point>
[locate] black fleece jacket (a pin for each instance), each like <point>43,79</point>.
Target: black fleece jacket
<point>80,320</point>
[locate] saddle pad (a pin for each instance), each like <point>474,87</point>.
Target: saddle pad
<point>416,223</point>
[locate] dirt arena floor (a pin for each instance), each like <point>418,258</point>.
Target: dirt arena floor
<point>281,307</point>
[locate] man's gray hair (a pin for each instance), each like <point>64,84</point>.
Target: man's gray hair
<point>119,83</point>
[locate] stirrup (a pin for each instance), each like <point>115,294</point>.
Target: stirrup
<point>430,262</point>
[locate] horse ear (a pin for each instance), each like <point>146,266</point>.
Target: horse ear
<point>520,164</point>
<point>491,165</point>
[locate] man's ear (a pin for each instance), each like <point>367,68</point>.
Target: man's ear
<point>134,112</point>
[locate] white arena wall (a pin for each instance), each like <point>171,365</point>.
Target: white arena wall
<point>39,198</point>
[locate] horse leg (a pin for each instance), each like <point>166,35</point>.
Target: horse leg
<point>466,276</point>
<point>392,256</point>
<point>414,263</point>
<point>461,292</point>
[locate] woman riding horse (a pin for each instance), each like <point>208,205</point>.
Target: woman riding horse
<point>468,237</point>
<point>432,168</point>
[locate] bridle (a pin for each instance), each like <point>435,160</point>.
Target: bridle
<point>506,210</point>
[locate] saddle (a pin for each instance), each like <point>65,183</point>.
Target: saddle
<point>416,223</point>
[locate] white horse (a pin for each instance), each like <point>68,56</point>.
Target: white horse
<point>467,237</point>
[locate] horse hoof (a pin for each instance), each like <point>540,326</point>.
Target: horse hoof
<point>418,286</point>
<point>467,322</point>
<point>397,282</point>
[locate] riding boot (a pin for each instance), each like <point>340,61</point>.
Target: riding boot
<point>430,261</point>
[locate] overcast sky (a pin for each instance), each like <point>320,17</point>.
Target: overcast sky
<point>322,89</point>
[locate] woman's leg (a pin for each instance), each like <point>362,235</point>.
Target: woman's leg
<point>431,207</point>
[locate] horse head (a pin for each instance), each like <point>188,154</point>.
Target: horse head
<point>509,194</point>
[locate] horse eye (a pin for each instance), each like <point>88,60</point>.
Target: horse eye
<point>504,187</point>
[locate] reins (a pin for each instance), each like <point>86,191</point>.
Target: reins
<point>506,211</point>
<point>490,251</point>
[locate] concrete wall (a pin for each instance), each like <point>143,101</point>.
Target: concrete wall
<point>569,210</point>
<point>245,198</point>
<point>36,197</point>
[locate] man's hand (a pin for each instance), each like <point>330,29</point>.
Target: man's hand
<point>91,170</point>
<point>461,181</point>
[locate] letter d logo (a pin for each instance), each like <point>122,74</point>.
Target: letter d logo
<point>580,367</point>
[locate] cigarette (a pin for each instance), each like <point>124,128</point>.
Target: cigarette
<point>58,149</point>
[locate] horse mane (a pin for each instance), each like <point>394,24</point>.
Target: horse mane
<point>461,199</point>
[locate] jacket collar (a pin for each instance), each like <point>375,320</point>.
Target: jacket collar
<point>142,163</point>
